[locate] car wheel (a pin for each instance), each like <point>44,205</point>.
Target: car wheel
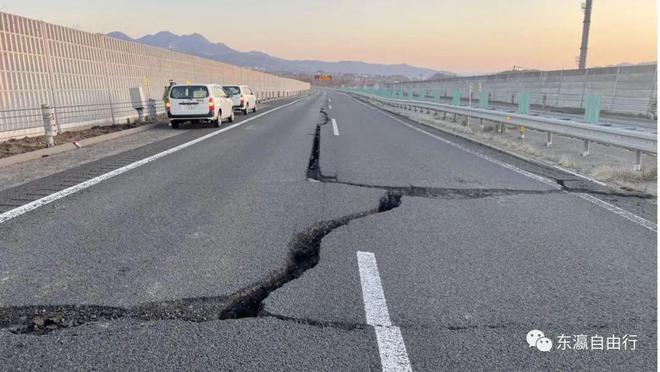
<point>218,122</point>
<point>175,125</point>
<point>231,117</point>
<point>246,110</point>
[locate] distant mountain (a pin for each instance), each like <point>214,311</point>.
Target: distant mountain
<point>198,45</point>
<point>120,36</point>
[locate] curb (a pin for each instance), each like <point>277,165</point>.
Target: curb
<point>38,154</point>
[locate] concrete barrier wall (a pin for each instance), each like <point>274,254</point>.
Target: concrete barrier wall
<point>87,77</point>
<point>628,90</point>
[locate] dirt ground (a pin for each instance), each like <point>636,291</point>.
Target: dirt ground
<point>607,164</point>
<point>21,145</point>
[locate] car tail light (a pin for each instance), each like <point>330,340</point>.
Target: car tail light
<point>211,105</point>
<point>168,106</point>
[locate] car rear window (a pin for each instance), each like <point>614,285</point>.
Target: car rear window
<point>232,91</point>
<point>189,92</point>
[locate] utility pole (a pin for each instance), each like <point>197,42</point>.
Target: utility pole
<point>585,35</point>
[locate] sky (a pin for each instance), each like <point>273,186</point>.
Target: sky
<point>463,36</point>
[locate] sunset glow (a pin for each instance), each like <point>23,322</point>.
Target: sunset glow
<point>462,36</point>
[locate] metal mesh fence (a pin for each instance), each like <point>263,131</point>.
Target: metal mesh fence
<point>87,77</point>
<point>626,90</point>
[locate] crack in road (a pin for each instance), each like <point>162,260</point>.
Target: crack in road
<point>583,185</point>
<point>304,251</point>
<point>345,326</point>
<point>304,254</point>
<point>315,173</point>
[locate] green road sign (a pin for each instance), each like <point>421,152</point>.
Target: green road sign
<point>483,100</point>
<point>523,103</point>
<point>592,110</point>
<point>456,97</point>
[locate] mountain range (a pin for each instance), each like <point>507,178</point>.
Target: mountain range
<point>198,45</point>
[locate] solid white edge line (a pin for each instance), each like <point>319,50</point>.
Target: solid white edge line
<point>392,349</point>
<point>4,217</point>
<point>601,203</point>
<point>621,212</point>
<point>335,128</point>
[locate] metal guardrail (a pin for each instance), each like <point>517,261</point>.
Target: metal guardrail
<point>640,142</point>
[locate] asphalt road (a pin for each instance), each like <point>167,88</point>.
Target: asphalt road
<point>325,235</point>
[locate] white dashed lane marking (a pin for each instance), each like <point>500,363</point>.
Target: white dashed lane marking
<point>335,128</point>
<point>392,349</point>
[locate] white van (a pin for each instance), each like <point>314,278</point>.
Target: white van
<point>198,103</point>
<point>243,98</point>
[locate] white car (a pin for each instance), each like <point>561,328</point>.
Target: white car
<point>198,103</point>
<point>243,98</point>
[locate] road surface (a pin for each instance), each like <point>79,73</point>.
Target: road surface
<point>324,235</point>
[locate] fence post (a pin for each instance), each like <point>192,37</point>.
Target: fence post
<point>584,91</point>
<point>616,86</point>
<point>638,161</point>
<point>151,106</point>
<point>653,105</point>
<point>587,147</point>
<point>50,125</point>
<point>49,68</point>
<point>561,79</point>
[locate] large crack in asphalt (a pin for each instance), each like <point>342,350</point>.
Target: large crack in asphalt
<point>304,254</point>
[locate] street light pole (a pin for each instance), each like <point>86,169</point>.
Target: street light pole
<point>585,35</point>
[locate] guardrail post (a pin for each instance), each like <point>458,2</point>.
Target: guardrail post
<point>548,142</point>
<point>587,147</point>
<point>638,161</point>
<point>50,126</point>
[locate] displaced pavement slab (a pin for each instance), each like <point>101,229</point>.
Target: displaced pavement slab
<point>376,150</point>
